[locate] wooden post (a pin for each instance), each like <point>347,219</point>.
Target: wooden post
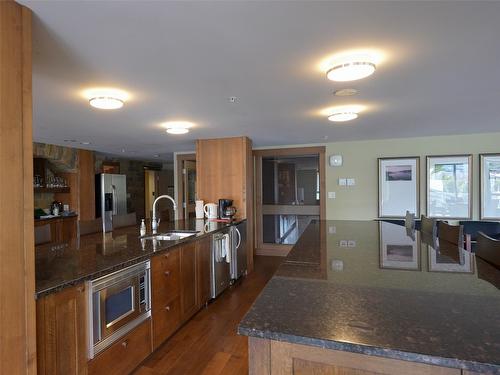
<point>17,265</point>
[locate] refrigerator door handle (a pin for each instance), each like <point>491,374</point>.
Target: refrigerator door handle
<point>239,238</point>
<point>114,199</point>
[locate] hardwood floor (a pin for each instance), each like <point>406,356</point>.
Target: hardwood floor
<point>208,343</point>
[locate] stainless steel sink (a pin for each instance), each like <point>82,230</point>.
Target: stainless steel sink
<point>171,235</point>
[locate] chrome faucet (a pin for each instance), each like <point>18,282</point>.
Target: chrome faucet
<point>154,223</point>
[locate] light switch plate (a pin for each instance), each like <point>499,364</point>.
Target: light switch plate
<point>331,195</point>
<point>351,243</point>
<point>342,181</point>
<point>343,243</point>
<point>332,229</point>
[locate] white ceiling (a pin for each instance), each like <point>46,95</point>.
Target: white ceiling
<point>182,60</point>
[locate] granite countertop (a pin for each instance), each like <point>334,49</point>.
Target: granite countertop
<point>62,216</point>
<point>87,257</point>
<point>374,288</point>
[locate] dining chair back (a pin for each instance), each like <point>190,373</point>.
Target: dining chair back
<point>428,225</point>
<point>488,248</point>
<point>451,233</point>
<point>90,226</point>
<point>410,220</point>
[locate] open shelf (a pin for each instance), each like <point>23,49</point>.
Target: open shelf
<point>52,190</point>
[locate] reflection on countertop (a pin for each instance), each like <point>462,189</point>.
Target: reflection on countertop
<point>63,264</point>
<point>370,287</point>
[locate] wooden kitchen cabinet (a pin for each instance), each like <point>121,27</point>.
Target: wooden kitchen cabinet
<point>189,305</point>
<point>125,354</point>
<point>203,270</point>
<point>224,169</point>
<point>165,296</point>
<point>61,332</point>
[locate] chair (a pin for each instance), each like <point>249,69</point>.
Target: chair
<point>120,221</point>
<point>428,226</point>
<point>410,220</point>
<point>488,248</point>
<point>90,226</point>
<point>43,234</point>
<point>451,233</point>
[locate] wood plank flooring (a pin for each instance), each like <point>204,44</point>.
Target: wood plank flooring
<point>208,343</point>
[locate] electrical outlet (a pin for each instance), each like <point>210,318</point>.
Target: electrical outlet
<point>351,243</point>
<point>351,182</point>
<point>331,195</point>
<point>342,181</point>
<point>343,243</point>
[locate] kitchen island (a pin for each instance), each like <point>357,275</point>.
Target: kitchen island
<point>372,298</point>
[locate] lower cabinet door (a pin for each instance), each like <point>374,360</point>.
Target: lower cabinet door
<point>166,320</point>
<point>189,305</point>
<point>61,332</point>
<point>126,354</point>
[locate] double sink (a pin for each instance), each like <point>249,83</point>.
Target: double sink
<point>174,235</point>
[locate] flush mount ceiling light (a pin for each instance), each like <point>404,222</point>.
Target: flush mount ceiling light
<point>351,71</point>
<point>177,127</point>
<point>343,113</point>
<point>106,102</point>
<point>345,92</point>
<point>106,98</point>
<point>351,65</point>
<point>342,116</point>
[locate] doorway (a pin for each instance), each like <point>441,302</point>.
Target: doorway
<point>186,182</point>
<point>289,193</point>
<point>156,183</point>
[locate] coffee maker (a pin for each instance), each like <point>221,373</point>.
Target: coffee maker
<point>224,204</point>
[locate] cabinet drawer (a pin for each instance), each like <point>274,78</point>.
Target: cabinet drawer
<point>166,320</point>
<point>165,276</point>
<point>125,354</point>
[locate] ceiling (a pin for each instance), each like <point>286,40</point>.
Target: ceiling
<point>183,60</point>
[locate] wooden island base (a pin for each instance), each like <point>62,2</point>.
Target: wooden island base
<point>268,357</point>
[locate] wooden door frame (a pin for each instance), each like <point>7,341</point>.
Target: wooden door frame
<point>274,249</point>
<point>180,158</point>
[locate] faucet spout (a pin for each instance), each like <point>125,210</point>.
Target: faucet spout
<point>154,223</point>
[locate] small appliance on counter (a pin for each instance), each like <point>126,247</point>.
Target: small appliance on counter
<point>56,208</point>
<point>226,209</point>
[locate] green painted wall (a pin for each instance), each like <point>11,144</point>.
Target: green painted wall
<point>360,202</point>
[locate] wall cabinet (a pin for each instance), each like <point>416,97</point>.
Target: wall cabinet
<point>61,332</point>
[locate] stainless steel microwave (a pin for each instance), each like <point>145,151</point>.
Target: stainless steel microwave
<point>117,303</point>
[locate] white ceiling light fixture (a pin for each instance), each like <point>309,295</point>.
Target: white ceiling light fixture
<point>343,113</point>
<point>178,127</point>
<point>106,98</point>
<point>343,116</point>
<point>351,71</point>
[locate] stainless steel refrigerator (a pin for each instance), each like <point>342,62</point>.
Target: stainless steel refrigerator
<point>110,198</point>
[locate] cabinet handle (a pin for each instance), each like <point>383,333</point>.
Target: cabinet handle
<point>125,343</point>
<point>167,273</point>
<point>167,308</point>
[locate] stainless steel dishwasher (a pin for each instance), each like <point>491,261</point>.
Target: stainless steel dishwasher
<point>220,262</point>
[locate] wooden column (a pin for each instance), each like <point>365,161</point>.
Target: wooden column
<point>224,169</point>
<point>17,266</point>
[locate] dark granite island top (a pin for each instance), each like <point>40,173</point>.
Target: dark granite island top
<point>372,288</point>
<point>87,257</point>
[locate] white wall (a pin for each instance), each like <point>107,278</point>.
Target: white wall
<point>360,162</point>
